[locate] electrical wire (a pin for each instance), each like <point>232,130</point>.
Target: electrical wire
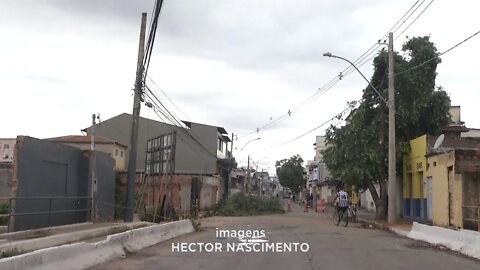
<point>416,18</point>
<point>438,55</point>
<point>337,116</point>
<point>360,61</point>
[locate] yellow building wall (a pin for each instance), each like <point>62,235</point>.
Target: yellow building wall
<point>414,163</point>
<point>438,171</point>
<point>119,157</point>
<point>440,197</point>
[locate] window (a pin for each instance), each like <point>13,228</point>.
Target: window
<point>121,153</point>
<point>116,152</point>
<point>6,146</point>
<point>220,145</point>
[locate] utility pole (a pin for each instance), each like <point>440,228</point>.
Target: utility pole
<point>229,178</point>
<point>93,168</point>
<point>248,172</point>
<point>132,155</point>
<point>392,185</point>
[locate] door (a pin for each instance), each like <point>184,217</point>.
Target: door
<point>429,198</point>
<point>450,196</point>
<point>422,197</point>
<point>410,195</point>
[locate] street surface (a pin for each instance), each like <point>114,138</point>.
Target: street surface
<point>331,247</point>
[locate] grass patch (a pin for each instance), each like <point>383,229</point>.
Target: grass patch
<point>240,204</point>
<point>10,253</point>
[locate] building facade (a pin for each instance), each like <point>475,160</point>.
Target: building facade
<point>7,146</point>
<point>414,183</point>
<point>116,150</point>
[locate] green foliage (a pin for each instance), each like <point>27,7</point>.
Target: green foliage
<point>4,209</point>
<point>10,253</point>
<point>151,216</point>
<point>196,224</point>
<point>119,200</point>
<point>240,204</point>
<point>358,152</point>
<point>290,173</point>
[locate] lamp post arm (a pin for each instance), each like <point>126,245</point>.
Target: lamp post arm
<point>375,89</point>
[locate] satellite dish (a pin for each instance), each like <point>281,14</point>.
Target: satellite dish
<point>438,142</point>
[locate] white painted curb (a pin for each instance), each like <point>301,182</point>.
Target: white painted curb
<point>84,255</point>
<point>464,241</point>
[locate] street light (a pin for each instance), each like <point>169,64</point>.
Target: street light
<point>250,142</point>
<point>392,189</point>
<point>327,54</point>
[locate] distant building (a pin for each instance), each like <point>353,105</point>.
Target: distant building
<point>198,147</point>
<point>116,150</point>
<point>7,146</point>
<point>181,167</point>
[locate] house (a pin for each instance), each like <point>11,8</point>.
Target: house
<point>7,146</point>
<point>453,181</point>
<point>426,173</point>
<point>116,150</point>
<point>182,167</point>
<point>414,186</point>
<point>327,185</point>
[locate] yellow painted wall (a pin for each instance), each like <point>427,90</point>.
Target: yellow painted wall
<point>415,163</point>
<point>438,170</point>
<point>440,204</point>
<point>119,158</point>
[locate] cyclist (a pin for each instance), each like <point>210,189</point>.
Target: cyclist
<point>342,197</point>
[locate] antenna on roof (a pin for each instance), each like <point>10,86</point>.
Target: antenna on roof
<point>439,142</point>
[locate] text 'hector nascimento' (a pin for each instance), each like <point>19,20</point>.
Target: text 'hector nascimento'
<point>240,247</point>
<point>248,241</point>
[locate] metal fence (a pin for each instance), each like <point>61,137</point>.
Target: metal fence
<point>78,207</point>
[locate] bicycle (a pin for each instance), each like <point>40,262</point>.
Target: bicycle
<point>340,216</point>
<point>352,212</point>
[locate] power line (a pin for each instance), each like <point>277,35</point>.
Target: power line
<point>171,117</point>
<point>337,116</point>
<point>169,99</point>
<point>151,36</point>
<point>438,55</point>
<point>364,58</point>
<point>416,18</point>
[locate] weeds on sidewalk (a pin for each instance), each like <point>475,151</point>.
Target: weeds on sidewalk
<point>10,253</point>
<point>240,204</point>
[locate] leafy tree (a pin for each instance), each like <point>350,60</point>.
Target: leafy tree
<point>358,152</point>
<point>290,172</point>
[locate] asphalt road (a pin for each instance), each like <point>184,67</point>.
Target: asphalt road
<point>330,247</point>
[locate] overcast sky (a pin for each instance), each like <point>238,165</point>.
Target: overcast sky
<point>235,64</point>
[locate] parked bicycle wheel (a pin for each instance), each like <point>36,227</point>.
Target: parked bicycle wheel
<point>344,218</point>
<point>336,217</point>
<point>354,216</point>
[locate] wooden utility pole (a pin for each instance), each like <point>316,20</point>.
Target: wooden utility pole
<point>132,155</point>
<point>392,185</point>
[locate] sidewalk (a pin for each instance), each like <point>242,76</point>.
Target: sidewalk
<point>466,242</point>
<point>401,227</point>
<point>81,246</point>
<point>31,240</point>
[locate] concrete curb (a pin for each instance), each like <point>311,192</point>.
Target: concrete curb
<point>28,245</point>
<point>464,241</point>
<point>84,255</point>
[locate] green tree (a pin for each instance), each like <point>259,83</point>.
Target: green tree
<point>290,172</point>
<point>358,152</point>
